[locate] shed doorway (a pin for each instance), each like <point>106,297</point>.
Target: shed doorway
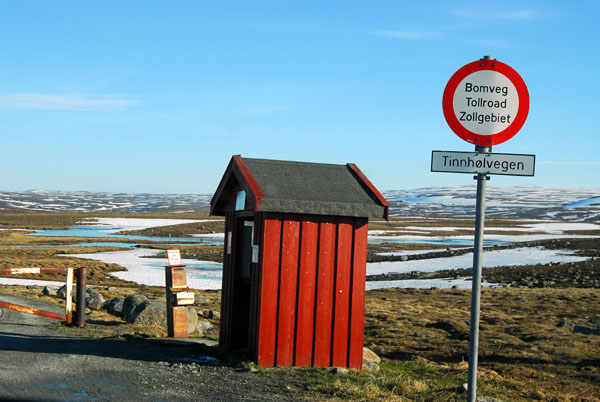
<point>243,264</point>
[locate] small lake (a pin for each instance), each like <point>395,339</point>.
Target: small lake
<point>109,233</point>
<point>440,241</point>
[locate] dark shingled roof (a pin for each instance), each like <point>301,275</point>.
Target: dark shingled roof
<point>311,188</point>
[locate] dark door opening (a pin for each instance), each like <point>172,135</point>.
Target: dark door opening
<point>243,273</point>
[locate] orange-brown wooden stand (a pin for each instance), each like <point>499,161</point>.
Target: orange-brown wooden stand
<point>176,315</point>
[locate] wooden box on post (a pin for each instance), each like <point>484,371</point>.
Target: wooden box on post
<point>295,257</point>
<point>175,281</point>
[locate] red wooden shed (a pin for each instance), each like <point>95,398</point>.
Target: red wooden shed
<point>295,260</point>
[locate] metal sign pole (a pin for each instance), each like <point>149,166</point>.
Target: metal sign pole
<point>476,286</point>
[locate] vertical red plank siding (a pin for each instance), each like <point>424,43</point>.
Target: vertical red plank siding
<point>357,312</point>
<point>306,293</point>
<point>342,294</point>
<point>287,292</point>
<point>324,299</point>
<point>269,285</point>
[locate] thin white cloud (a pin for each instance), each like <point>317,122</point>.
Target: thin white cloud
<point>491,12</point>
<point>35,101</point>
<point>408,35</point>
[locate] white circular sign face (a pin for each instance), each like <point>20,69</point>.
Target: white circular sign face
<point>486,102</point>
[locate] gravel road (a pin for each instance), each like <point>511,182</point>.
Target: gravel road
<point>41,364</point>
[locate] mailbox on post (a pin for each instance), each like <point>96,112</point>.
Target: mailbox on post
<point>177,296</point>
<point>295,260</point>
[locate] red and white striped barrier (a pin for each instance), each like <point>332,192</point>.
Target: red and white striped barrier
<point>68,316</point>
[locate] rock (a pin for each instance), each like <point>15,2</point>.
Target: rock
<point>585,330</point>
<point>50,291</point>
<point>595,321</point>
<point>62,292</point>
<point>216,315</point>
<point>114,306</point>
<point>404,258</point>
<point>565,324</point>
<point>152,313</point>
<point>192,318</point>
<point>93,299</point>
<point>203,326</point>
<point>130,303</point>
<point>374,367</point>
<point>370,360</point>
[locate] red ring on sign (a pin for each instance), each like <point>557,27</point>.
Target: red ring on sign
<point>468,135</point>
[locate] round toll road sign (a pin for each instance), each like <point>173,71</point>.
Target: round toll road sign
<point>486,102</point>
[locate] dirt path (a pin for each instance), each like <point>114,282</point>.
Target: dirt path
<point>40,363</point>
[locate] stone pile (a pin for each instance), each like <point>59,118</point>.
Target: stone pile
<point>139,309</point>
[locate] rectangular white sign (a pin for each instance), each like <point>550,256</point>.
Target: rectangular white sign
<point>174,257</point>
<point>479,162</point>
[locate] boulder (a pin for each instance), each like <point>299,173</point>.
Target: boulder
<point>93,299</point>
<point>203,326</point>
<point>370,360</point>
<point>149,312</point>
<point>114,306</point>
<point>130,304</point>
<point>62,292</point>
<point>50,290</point>
<point>192,319</point>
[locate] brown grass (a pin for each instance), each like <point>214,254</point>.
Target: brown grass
<point>421,335</point>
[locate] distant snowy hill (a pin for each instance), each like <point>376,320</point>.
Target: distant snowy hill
<point>501,202</point>
<point>505,202</point>
<point>42,200</point>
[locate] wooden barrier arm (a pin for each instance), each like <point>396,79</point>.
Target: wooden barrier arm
<point>32,270</point>
<point>68,316</point>
<point>30,310</point>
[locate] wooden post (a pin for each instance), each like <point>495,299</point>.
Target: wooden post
<point>80,298</point>
<point>69,301</point>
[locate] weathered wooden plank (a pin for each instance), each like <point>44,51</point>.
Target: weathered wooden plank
<point>342,294</point>
<point>357,312</point>
<point>287,292</point>
<point>30,310</point>
<point>269,287</point>
<point>32,270</point>
<point>306,293</point>
<point>324,300</point>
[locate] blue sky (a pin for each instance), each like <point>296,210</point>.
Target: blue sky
<point>155,96</point>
